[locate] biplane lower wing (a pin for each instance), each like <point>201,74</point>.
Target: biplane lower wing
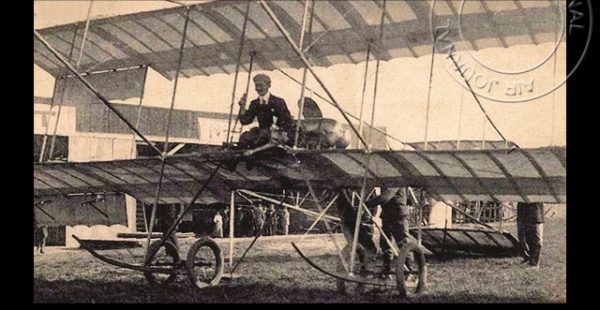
<point>476,242</point>
<point>529,175</point>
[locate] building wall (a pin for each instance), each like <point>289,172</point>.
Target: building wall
<point>101,232</point>
<point>84,147</point>
<point>94,148</point>
<point>44,120</point>
<point>441,214</point>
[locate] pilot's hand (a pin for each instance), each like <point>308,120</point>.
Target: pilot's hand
<point>242,102</point>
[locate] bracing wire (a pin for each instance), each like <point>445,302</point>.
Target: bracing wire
<point>348,114</point>
<point>168,129</point>
<point>429,96</point>
<point>477,100</point>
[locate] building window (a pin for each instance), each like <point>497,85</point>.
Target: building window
<point>59,153</point>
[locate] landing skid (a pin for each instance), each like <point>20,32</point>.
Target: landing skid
<point>203,264</point>
<point>338,275</point>
<point>407,280</point>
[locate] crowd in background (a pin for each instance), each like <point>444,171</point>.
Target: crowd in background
<point>249,220</point>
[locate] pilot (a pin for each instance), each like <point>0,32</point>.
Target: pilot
<point>394,220</point>
<point>274,118</point>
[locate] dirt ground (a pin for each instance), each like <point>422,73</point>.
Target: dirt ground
<point>273,272</point>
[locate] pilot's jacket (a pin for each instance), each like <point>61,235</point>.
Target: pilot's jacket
<point>275,107</point>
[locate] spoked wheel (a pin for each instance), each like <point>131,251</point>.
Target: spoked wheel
<point>204,263</point>
<point>346,287</point>
<point>166,259</point>
<point>411,270</point>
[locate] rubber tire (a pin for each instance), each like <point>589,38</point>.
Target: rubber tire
<point>419,257</point>
<point>150,276</point>
<point>189,264</point>
<point>346,287</point>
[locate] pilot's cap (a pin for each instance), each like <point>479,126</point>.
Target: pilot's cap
<point>262,77</point>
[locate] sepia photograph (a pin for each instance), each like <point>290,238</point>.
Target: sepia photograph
<point>302,151</point>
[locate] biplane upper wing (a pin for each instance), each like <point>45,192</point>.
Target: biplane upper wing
<point>340,33</point>
<point>531,175</point>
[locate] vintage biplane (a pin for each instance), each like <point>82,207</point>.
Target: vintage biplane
<point>228,36</point>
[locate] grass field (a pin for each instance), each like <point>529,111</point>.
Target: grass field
<point>274,273</point>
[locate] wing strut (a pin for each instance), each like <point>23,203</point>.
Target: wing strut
<point>305,73</point>
<point>362,99</point>
<point>231,226</point>
<point>139,112</point>
<point>62,97</point>
<point>252,55</point>
<point>237,70</point>
<point>308,66</point>
<point>167,131</point>
<point>369,155</point>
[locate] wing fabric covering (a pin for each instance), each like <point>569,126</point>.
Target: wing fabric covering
<point>532,175</point>
<point>341,32</point>
<point>82,210</point>
<point>442,241</point>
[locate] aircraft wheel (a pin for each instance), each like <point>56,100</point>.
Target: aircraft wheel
<point>345,287</point>
<point>411,269</point>
<point>166,257</point>
<point>204,263</point>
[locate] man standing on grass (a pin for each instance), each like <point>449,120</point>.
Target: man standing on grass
<point>42,235</point>
<point>530,227</point>
<point>218,220</point>
<point>270,221</point>
<point>285,221</point>
<point>394,219</point>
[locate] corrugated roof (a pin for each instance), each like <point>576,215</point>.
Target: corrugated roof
<point>341,30</point>
<point>521,175</point>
